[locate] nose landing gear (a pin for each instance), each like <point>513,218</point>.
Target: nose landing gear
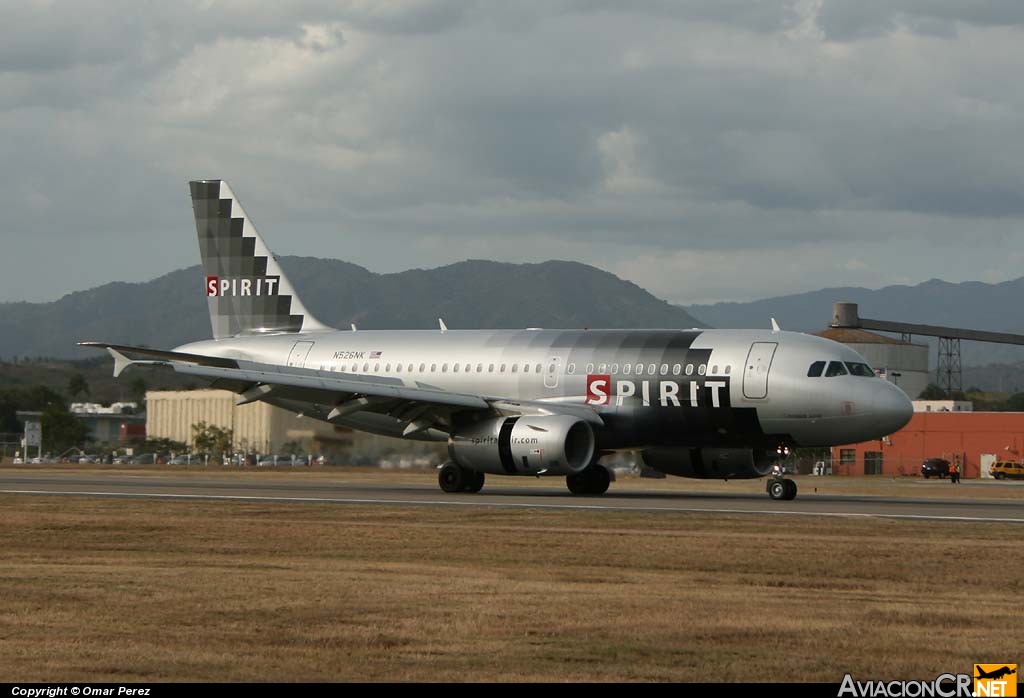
<point>780,488</point>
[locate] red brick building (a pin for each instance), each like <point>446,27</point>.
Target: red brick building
<point>956,436</point>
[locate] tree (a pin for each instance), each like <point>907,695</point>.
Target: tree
<point>61,430</point>
<point>932,392</point>
<point>77,385</point>
<point>137,389</point>
<point>209,438</point>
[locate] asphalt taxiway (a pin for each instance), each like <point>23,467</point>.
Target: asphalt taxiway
<point>502,493</point>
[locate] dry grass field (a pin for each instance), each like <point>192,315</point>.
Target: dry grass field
<point>122,590</point>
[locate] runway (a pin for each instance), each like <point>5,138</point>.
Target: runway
<point>639,496</point>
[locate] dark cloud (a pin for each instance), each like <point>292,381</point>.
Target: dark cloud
<point>648,140</point>
<point>850,20</point>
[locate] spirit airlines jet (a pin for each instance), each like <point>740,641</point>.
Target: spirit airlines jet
<point>695,403</point>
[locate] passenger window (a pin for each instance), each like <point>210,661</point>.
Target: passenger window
<point>387,369</point>
<point>455,368</point>
<point>702,369</point>
<point>502,369</point>
<point>538,368</point>
<point>433,368</point>
<point>490,368</point>
<point>603,368</point>
<point>652,369</point>
<point>677,369</point>
<point>444,368</point>
<point>571,369</point>
<point>515,368</point>
<point>590,368</point>
<point>728,369</point>
<point>664,369</point>
<point>479,368</point>
<point>835,368</point>
<point>366,368</point>
<point>398,368</point>
<point>816,369</point>
<point>615,368</point>
<point>689,369</point>
<point>423,368</point>
<point>376,368</point>
<point>526,368</point>
<point>639,369</point>
<point>627,368</point>
<point>355,368</point>
<point>714,370</point>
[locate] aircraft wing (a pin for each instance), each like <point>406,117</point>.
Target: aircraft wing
<point>420,406</point>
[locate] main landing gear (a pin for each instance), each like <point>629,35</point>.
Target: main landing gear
<point>454,478</point>
<point>594,479</point>
<point>781,488</point>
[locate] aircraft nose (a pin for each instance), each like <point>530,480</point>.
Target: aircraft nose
<point>892,408</point>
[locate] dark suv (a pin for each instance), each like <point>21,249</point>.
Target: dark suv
<point>935,467</point>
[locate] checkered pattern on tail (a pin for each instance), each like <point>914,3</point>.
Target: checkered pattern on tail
<point>246,289</point>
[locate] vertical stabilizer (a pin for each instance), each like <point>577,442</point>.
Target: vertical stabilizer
<point>247,291</point>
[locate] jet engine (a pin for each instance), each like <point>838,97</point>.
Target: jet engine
<point>709,463</point>
<point>526,445</point>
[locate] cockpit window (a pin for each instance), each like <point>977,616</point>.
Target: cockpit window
<point>835,368</point>
<point>815,370</point>
<point>860,370</point>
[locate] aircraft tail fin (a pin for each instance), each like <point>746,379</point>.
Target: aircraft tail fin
<point>248,293</point>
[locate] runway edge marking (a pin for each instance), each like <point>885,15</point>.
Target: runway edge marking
<point>506,505</point>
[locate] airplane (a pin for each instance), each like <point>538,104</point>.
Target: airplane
<point>696,403</point>
<point>995,674</point>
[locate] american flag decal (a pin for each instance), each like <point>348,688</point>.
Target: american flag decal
<point>375,354</point>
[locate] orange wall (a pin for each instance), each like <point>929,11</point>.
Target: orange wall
<point>943,435</point>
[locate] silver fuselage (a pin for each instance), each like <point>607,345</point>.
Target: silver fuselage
<point>690,388</point>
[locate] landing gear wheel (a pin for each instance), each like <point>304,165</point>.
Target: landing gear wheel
<point>474,481</point>
<point>594,479</point>
<point>779,488</point>
<point>452,478</point>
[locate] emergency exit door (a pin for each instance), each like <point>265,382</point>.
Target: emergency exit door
<point>755,371</point>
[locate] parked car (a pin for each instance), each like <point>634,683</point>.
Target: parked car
<point>935,467</point>
<point>1004,469</point>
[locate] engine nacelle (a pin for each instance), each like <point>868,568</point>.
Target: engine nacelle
<point>527,445</point>
<point>709,463</point>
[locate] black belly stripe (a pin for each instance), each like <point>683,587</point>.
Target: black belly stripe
<point>697,460</point>
<point>505,445</point>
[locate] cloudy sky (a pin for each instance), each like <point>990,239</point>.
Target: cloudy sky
<point>719,150</point>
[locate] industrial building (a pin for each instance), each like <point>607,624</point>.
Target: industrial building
<point>900,362</point>
<point>257,427</point>
<point>973,439</point>
<point>111,425</point>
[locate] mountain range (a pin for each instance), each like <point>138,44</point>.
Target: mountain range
<point>171,310</point>
<point>973,305</point>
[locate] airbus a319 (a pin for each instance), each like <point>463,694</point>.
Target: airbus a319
<point>695,403</point>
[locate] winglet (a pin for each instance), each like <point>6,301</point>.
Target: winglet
<point>354,327</point>
<point>775,326</point>
<point>444,327</point>
<point>121,362</point>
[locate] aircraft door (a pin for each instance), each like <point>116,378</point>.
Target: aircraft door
<point>300,351</point>
<point>554,367</point>
<point>755,370</point>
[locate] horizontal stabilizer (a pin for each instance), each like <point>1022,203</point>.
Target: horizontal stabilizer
<point>123,356</point>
